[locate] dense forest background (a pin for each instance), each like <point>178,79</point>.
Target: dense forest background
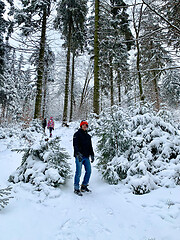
<point>69,58</point>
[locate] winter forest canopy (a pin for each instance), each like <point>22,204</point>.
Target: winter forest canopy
<point>70,58</point>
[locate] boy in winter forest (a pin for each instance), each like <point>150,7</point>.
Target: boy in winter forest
<point>82,150</point>
<point>51,125</point>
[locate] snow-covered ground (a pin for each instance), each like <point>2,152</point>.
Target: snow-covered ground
<point>108,213</point>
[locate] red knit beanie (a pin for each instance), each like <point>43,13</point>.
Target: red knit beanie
<point>84,122</point>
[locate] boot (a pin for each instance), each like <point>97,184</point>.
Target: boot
<point>78,192</point>
<point>85,188</point>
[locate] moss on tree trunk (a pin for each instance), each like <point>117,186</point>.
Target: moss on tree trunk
<point>72,88</point>
<point>65,112</point>
<point>96,59</point>
<point>111,81</point>
<point>40,70</point>
<point>119,87</point>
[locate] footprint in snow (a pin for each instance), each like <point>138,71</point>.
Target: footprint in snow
<point>109,211</point>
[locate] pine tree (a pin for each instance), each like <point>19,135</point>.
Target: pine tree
<point>171,11</point>
<point>138,146</point>
<point>96,59</point>
<point>40,70</point>
<point>152,52</point>
<point>70,20</point>
<point>168,12</point>
<point>2,52</point>
<point>78,45</point>
<point>17,88</point>
<point>53,168</point>
<point>72,87</point>
<point>171,88</point>
<point>49,60</point>
<point>31,18</point>
<point>137,28</point>
<point>2,30</point>
<point>10,82</point>
<point>115,39</point>
<point>153,56</point>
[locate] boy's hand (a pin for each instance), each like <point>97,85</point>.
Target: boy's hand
<point>92,158</point>
<point>79,156</point>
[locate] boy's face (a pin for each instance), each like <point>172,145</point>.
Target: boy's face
<point>84,127</point>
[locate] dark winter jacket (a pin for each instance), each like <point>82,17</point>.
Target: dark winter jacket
<point>82,143</point>
<point>44,123</point>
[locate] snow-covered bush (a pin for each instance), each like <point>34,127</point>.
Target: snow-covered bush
<point>143,149</point>
<point>113,142</point>
<point>2,134</point>
<point>5,196</point>
<point>92,123</point>
<point>44,162</point>
<point>17,136</point>
<point>36,125</point>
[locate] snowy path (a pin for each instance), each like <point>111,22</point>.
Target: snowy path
<point>108,213</point>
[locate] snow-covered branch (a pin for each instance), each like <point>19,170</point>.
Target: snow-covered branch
<point>161,16</point>
<point>4,196</point>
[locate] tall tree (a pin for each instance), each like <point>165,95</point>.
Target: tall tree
<point>72,87</point>
<point>171,88</point>
<point>2,30</point>
<point>96,60</point>
<point>171,11</point>
<point>70,19</point>
<point>40,70</point>
<point>154,56</point>
<point>17,88</point>
<point>3,25</point>
<point>32,18</point>
<point>49,60</point>
<point>78,45</point>
<point>115,39</point>
<point>137,27</point>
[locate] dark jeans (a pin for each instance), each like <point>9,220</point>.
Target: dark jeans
<point>87,166</point>
<point>50,130</point>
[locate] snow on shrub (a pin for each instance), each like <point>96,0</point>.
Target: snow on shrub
<point>113,141</point>
<point>5,196</point>
<point>140,147</point>
<point>36,125</point>
<point>17,136</point>
<point>44,162</point>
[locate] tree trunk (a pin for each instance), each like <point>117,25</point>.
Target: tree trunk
<point>138,70</point>
<point>137,31</point>
<point>96,60</point>
<point>154,84</point>
<point>67,76</point>
<point>40,70</point>
<point>119,86</point>
<point>111,81</point>
<point>72,88</point>
<point>156,92</point>
<point>89,75</point>
<point>45,93</point>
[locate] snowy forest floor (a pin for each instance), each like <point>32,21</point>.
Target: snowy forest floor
<point>110,212</point>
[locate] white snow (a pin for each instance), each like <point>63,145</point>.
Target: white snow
<point>110,212</point>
